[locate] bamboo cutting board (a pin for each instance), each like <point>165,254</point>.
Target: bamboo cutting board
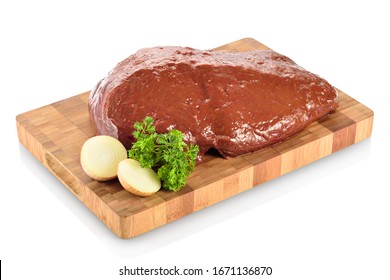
<point>55,133</point>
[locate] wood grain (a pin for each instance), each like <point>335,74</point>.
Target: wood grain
<point>55,133</point>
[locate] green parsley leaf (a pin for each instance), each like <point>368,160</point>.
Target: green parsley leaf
<point>167,153</point>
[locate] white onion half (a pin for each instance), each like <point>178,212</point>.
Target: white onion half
<point>100,156</point>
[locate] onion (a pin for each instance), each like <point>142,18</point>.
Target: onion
<point>100,156</point>
<point>138,180</point>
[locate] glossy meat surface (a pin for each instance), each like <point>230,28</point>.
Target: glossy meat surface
<point>234,102</point>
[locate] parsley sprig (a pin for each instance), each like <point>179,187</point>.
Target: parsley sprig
<point>167,153</point>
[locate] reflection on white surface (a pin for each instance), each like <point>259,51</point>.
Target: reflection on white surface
<point>203,219</point>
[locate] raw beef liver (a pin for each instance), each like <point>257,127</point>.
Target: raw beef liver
<point>233,102</point>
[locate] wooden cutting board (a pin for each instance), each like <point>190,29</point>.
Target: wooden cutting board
<point>55,133</point>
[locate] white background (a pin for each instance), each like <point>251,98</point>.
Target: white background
<point>329,220</point>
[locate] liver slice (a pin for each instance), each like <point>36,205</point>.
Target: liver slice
<point>235,103</point>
